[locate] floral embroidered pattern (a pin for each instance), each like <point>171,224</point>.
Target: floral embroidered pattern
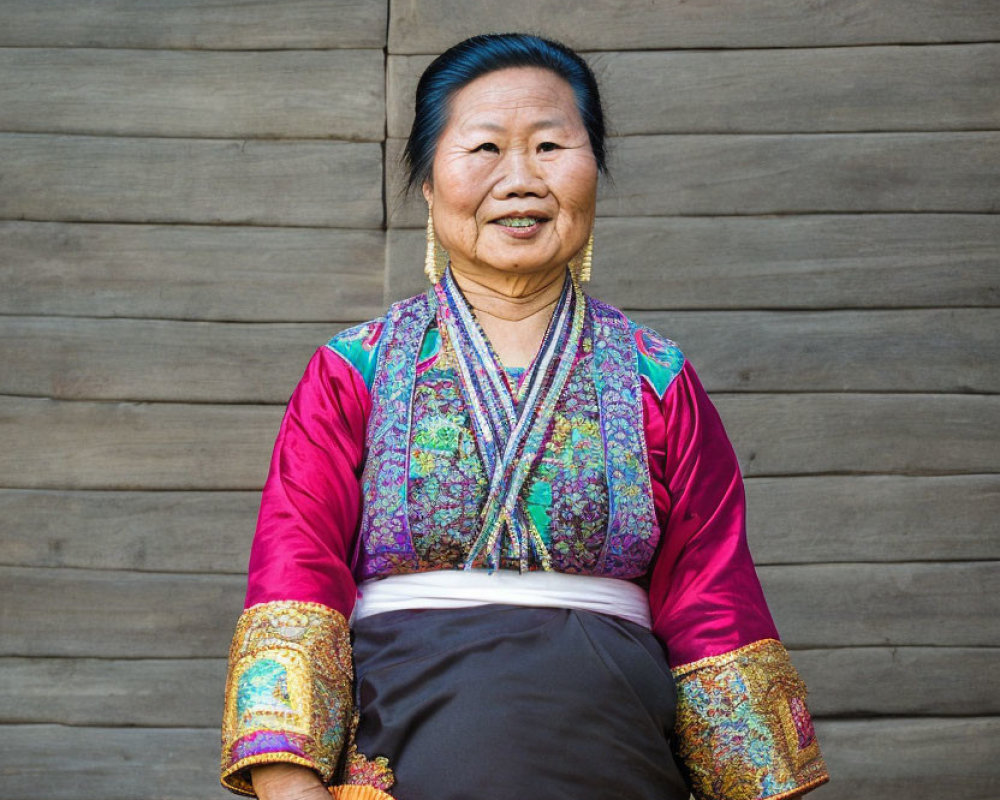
<point>359,346</point>
<point>743,729</point>
<point>588,495</point>
<point>288,691</point>
<point>633,532</point>
<point>385,547</point>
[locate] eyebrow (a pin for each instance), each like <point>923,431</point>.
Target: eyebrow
<point>493,126</point>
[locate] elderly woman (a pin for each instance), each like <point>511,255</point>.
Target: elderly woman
<point>501,548</point>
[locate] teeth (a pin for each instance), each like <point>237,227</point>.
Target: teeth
<point>518,222</point>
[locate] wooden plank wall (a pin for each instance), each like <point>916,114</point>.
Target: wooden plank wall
<point>197,194</point>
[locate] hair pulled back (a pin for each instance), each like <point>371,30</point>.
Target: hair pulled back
<point>477,56</point>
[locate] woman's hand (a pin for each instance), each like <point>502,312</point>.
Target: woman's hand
<point>287,782</point>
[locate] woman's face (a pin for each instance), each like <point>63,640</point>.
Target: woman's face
<point>514,178</point>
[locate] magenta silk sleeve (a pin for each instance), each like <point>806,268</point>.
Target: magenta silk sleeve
<point>705,598</point>
<point>743,731</point>
<point>311,502</point>
<point>289,694</point>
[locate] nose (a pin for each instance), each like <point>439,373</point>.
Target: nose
<point>519,177</point>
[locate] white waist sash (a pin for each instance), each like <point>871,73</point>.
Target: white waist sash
<point>459,588</point>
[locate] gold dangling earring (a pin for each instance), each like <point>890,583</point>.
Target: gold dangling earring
<point>432,269</point>
<point>580,266</point>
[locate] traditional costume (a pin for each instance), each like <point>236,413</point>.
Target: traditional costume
<point>545,573</point>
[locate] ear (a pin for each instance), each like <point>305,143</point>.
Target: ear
<point>428,192</point>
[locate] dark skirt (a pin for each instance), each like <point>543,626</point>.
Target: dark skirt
<point>505,702</point>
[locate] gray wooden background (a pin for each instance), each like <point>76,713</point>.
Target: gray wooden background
<point>194,194</point>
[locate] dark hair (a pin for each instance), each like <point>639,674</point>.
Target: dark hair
<point>461,64</point>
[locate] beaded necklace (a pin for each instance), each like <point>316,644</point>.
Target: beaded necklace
<point>510,422</point>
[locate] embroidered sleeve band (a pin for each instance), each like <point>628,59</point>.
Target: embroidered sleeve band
<point>743,729</point>
<point>288,692</point>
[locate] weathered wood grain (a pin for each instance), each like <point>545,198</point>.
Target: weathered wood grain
<point>123,179</point>
<point>333,94</point>
<point>127,359</point>
<point>110,763</point>
<point>916,759</point>
<point>191,272</point>
<point>194,24</point>
<point>145,531</point>
<point>846,605</point>
<point>430,26</point>
<point>873,518</point>
<point>901,681</point>
<point>97,613</point>
<point>810,261</point>
<point>181,693</point>
<point>947,87</point>
<point>55,444</point>
<point>935,681</point>
<point>116,614</point>
<point>713,174</point>
<point>790,520</point>
<point>946,350</point>
<point>916,434</point>
<point>919,759</point>
<point>950,350</point>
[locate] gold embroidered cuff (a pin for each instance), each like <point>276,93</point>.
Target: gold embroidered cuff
<point>288,692</point>
<point>743,729</point>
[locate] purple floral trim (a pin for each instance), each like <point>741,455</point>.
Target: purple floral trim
<point>633,532</point>
<point>385,545</point>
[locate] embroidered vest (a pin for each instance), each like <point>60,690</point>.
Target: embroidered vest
<point>588,493</point>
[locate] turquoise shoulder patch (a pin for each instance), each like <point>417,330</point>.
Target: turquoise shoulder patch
<point>359,347</point>
<point>660,360</point>
<point>431,345</point>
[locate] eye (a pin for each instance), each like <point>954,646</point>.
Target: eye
<point>548,147</point>
<point>488,147</point>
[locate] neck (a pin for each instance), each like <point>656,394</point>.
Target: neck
<point>511,297</point>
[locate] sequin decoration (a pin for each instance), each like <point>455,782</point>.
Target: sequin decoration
<point>743,730</point>
<point>288,691</point>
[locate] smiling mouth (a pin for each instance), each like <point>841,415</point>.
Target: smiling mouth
<point>519,222</point>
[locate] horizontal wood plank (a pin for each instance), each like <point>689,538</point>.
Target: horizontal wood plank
<point>200,272</point>
<point>901,681</point>
<point>54,444</point>
<point>810,261</point>
<point>194,24</point>
<point>431,26</point>
<point>723,174</point>
<point>846,605</point>
<point>946,87</point>
<point>916,759</point>
<point>95,763</point>
<point>948,350</point>
<point>873,518</point>
<point>158,692</point>
<point>146,531</point>
<point>782,434</point>
<point>100,613</point>
<point>334,94</point>
<point>919,759</point>
<point>790,520</point>
<point>122,179</point>
<point>67,612</point>
<point>127,359</point>
<point>934,681</point>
